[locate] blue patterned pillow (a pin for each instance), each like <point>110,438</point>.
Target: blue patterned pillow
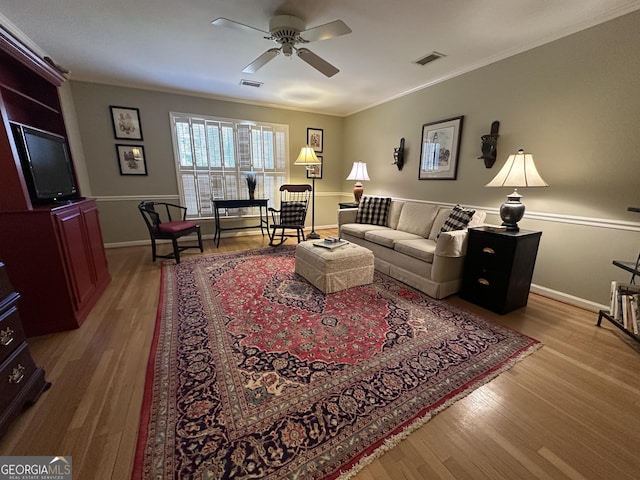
<point>373,210</point>
<point>458,219</point>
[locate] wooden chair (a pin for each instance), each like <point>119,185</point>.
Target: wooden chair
<point>162,226</point>
<point>294,202</point>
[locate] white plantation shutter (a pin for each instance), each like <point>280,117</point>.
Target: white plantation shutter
<point>213,156</point>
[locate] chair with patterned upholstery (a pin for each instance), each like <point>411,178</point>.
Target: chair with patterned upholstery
<point>159,218</point>
<point>294,201</point>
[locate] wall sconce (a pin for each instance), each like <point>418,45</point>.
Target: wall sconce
<point>518,171</point>
<point>490,145</point>
<point>398,155</point>
<point>359,174</point>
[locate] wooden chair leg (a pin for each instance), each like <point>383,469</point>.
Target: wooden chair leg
<point>153,249</point>
<point>200,240</point>
<point>176,250</point>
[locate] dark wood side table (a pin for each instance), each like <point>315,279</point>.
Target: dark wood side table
<point>499,267</point>
<point>348,205</point>
<point>21,380</point>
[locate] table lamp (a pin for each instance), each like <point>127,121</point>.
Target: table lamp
<point>308,158</point>
<point>518,171</point>
<point>359,174</point>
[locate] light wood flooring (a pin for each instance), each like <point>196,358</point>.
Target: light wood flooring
<point>569,411</point>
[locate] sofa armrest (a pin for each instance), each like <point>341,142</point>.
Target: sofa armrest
<point>452,244</point>
<point>347,215</point>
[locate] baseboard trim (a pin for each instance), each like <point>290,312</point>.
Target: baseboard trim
<point>568,299</point>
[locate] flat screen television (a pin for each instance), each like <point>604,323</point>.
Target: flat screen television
<point>46,164</point>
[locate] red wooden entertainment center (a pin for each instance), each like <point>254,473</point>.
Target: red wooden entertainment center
<point>53,253</point>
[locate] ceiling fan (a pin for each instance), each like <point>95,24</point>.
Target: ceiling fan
<point>289,31</point>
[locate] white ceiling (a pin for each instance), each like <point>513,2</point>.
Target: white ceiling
<point>171,45</point>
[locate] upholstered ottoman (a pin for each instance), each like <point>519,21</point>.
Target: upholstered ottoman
<point>334,270</point>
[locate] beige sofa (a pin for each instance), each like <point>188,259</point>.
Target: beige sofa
<point>408,248</point>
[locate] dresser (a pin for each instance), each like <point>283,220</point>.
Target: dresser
<point>499,267</point>
<point>21,381</point>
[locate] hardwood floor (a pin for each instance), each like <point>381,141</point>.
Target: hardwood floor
<point>569,411</point>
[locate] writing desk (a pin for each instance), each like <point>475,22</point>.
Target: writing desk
<point>225,204</point>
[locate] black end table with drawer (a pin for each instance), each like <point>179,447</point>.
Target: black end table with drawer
<point>499,267</point>
<point>21,381</point>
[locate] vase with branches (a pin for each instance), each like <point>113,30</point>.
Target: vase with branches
<point>251,184</point>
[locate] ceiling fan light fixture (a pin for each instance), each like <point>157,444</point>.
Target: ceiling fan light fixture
<point>429,58</point>
<point>287,31</point>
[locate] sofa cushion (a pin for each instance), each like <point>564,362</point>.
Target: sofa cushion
<point>373,210</point>
<point>394,213</point>
<point>417,218</point>
<point>478,219</point>
<point>422,248</point>
<point>359,229</point>
<point>388,236</point>
<point>458,219</point>
<point>443,214</point>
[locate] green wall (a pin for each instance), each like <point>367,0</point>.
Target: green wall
<point>119,195</point>
<point>575,105</point>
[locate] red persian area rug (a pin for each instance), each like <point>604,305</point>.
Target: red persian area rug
<point>255,374</point>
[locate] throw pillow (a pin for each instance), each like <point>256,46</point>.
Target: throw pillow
<point>292,213</point>
<point>458,219</point>
<point>373,210</point>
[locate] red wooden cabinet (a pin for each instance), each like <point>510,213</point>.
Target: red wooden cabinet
<point>53,254</point>
<point>55,258</point>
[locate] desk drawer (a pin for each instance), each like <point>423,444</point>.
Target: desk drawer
<point>15,373</point>
<point>11,334</point>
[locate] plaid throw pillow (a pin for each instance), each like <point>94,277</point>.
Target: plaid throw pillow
<point>373,210</point>
<point>458,219</point>
<point>292,213</point>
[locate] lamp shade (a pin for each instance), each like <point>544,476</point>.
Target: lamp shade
<point>359,172</point>
<point>518,171</point>
<point>307,157</point>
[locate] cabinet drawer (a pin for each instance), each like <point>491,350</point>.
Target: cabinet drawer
<point>15,373</point>
<point>491,251</point>
<point>11,334</point>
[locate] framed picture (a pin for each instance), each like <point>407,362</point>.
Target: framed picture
<point>440,145</point>
<point>126,123</point>
<point>314,139</point>
<point>131,160</point>
<point>315,171</point>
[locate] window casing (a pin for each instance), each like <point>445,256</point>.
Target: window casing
<point>214,155</point>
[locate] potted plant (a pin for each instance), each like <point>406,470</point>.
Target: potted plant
<point>251,184</point>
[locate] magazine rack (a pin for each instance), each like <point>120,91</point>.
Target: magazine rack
<point>634,269</point>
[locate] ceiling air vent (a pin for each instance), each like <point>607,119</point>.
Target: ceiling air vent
<point>250,83</point>
<point>430,58</point>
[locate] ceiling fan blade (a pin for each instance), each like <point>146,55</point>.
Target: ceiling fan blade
<point>326,31</point>
<point>316,62</point>
<point>225,22</point>
<point>261,61</point>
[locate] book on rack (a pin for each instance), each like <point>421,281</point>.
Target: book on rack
<point>625,298</point>
<point>633,307</point>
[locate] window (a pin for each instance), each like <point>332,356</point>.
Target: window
<point>213,156</point>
